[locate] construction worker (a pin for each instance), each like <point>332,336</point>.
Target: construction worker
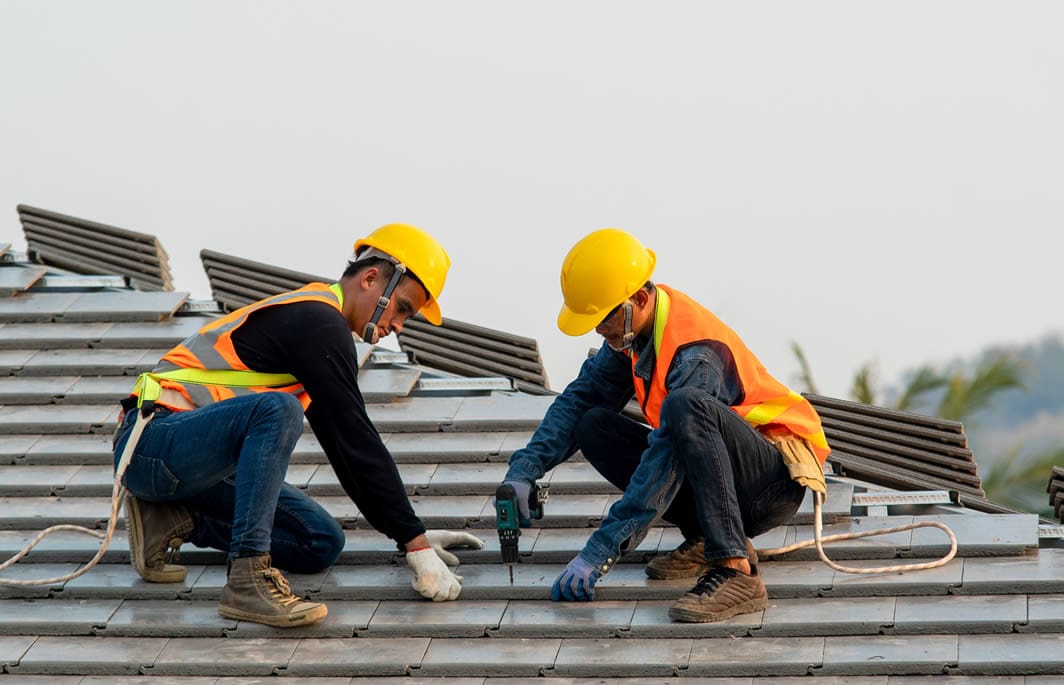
<point>209,467</point>
<point>724,444</point>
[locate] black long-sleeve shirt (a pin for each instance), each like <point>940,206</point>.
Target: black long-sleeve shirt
<point>311,341</point>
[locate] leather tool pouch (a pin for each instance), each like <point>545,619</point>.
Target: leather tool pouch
<point>800,460</point>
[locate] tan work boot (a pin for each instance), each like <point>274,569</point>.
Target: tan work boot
<point>255,591</point>
<point>721,593</point>
<point>156,532</point>
<point>688,561</point>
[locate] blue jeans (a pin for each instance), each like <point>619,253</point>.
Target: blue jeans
<point>226,463</point>
<point>734,483</point>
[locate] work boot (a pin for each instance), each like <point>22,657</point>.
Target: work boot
<point>688,561</point>
<point>255,591</point>
<point>721,593</point>
<point>156,532</point>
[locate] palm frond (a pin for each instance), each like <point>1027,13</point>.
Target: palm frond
<point>965,396</point>
<point>863,389</point>
<point>925,380</point>
<point>805,372</point>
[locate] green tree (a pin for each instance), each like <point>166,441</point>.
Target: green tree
<point>1020,482</point>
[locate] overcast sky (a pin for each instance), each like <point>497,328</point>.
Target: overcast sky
<point>877,181</point>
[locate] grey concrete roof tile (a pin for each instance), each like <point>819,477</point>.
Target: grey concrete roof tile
<point>41,512</point>
<point>378,582</point>
<point>492,581</point>
<point>489,656</point>
<point>12,679</point>
<point>71,449</point>
<point>632,657</point>
<point>368,546</point>
<point>566,619</point>
<point>1036,574</point>
<point>342,509</point>
<point>34,481</point>
<point>515,440</point>
<point>17,279</point>
<point>166,618</point>
<point>99,390</point>
<point>89,655</point>
<point>960,614</point>
<point>414,414</point>
<point>300,475</point>
<point>824,616</point>
<point>578,477</point>
<point>15,447</point>
<point>80,418</point>
<point>908,654</point>
<point>761,656</point>
<point>629,581</point>
<point>1026,654</point>
<point>12,361</point>
<point>651,620</point>
<point>39,336</point>
<point>976,535</point>
<point>777,537</point>
<point>148,680</point>
<point>325,483</point>
<point>26,571</point>
<point>12,649</point>
<point>160,334</point>
<point>797,578</point>
<point>55,617</point>
<point>382,385</point>
<point>468,618</point>
<point>89,481</point>
<point>62,546</point>
<point>124,306</point>
<point>222,656</point>
<point>34,306</point>
<point>343,620</point>
<point>107,580</point>
<point>504,412</point>
<point>444,447</point>
<point>446,511</point>
<point>1045,614</point>
<point>92,362</point>
<point>357,656</point>
<point>466,479</point>
<point>935,581</point>
<point>31,390</point>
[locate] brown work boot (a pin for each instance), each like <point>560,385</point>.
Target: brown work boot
<point>156,532</point>
<point>255,591</point>
<point>688,561</point>
<point>721,593</point>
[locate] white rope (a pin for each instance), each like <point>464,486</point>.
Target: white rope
<point>818,540</point>
<point>118,497</point>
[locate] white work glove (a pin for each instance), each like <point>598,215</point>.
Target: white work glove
<point>442,540</point>
<point>432,578</point>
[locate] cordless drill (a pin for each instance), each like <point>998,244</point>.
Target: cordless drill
<point>507,519</point>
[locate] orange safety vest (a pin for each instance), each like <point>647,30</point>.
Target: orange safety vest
<point>211,349</point>
<point>767,404</point>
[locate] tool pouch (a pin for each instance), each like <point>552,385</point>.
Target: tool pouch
<point>801,462</point>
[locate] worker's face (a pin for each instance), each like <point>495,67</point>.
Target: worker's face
<point>406,300</point>
<point>612,327</point>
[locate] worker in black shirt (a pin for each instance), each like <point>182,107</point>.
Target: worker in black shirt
<point>209,465</point>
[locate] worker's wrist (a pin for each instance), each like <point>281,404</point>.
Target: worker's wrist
<point>417,544</point>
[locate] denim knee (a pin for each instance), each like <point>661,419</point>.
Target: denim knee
<point>283,409</point>
<point>589,432</point>
<point>683,404</point>
<point>321,548</point>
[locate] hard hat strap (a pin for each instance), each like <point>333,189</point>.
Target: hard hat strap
<point>629,334</point>
<point>369,333</point>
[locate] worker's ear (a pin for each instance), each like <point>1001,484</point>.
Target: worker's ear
<point>367,278</point>
<point>641,298</point>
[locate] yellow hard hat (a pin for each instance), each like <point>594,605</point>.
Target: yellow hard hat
<point>601,271</point>
<point>420,253</point>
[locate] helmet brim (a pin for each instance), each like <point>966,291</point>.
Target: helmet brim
<point>431,311</point>
<point>571,323</point>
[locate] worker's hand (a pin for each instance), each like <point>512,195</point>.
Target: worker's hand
<point>576,583</point>
<point>523,489</point>
<point>432,578</point>
<point>443,540</point>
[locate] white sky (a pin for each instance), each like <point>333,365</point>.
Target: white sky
<point>878,181</point>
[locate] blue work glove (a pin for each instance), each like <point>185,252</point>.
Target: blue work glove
<point>576,583</point>
<point>523,489</point>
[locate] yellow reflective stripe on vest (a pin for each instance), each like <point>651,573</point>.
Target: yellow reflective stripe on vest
<point>148,387</point>
<point>768,411</point>
<point>661,317</point>
<point>338,290</point>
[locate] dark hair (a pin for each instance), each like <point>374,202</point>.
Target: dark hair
<point>649,287</point>
<point>387,270</point>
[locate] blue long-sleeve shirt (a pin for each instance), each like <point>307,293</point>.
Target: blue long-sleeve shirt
<point>606,380</point>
